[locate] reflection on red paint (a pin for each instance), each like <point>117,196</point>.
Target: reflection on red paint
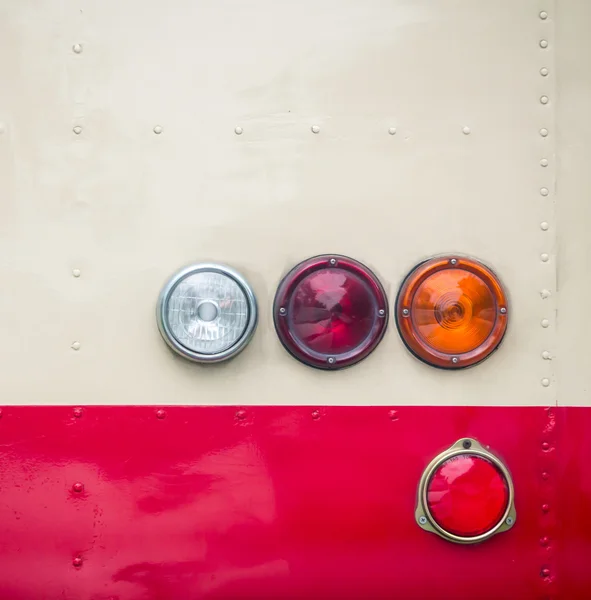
<point>467,495</point>
<point>200,506</point>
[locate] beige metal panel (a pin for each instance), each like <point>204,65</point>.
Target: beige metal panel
<point>128,206</point>
<point>573,57</point>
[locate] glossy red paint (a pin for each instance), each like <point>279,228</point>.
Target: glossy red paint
<point>467,495</point>
<point>280,502</point>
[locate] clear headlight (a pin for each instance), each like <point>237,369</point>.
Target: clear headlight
<point>207,313</point>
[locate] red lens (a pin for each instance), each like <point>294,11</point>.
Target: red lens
<point>467,495</point>
<point>330,312</point>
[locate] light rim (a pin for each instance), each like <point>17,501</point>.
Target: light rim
<point>421,350</point>
<point>423,515</point>
<point>164,326</point>
<point>285,290</point>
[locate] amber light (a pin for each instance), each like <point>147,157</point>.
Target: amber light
<point>466,494</point>
<point>451,312</point>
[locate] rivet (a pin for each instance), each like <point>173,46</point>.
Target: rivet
<point>545,508</point>
<point>76,346</point>
<point>543,132</point>
<point>78,487</point>
<point>544,162</point>
<point>238,130</point>
<point>545,382</point>
<point>77,412</point>
<point>241,415</point>
<point>423,520</point>
<point>545,323</point>
<point>544,226</point>
<point>544,541</point>
<point>544,191</point>
<point>544,71</point>
<point>381,312</point>
<point>543,15</point>
<point>315,129</point>
<point>77,48</point>
<point>545,572</point>
<point>545,475</point>
<point>77,130</point>
<point>503,311</point>
<point>330,360</point>
<point>77,562</point>
<point>544,99</point>
<point>546,355</point>
<point>544,257</point>
<point>160,413</point>
<point>158,129</point>
<point>392,131</point>
<point>315,414</point>
<point>282,311</point>
<point>545,446</point>
<point>405,312</point>
<point>333,261</point>
<point>76,272</point>
<point>454,360</point>
<point>466,131</point>
<point>545,294</point>
<point>393,414</point>
<point>453,261</point>
<point>543,43</point>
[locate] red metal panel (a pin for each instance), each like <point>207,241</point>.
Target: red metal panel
<point>135,503</point>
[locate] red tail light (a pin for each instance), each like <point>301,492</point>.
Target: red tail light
<point>330,312</point>
<point>466,494</point>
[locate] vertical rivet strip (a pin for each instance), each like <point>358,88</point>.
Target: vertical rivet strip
<point>547,449</point>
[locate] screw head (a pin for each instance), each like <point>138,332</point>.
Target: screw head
<point>331,360</point>
<point>333,261</point>
<point>509,521</point>
<point>455,360</point>
<point>158,129</point>
<point>453,261</point>
<point>282,311</point>
<point>381,312</point>
<point>238,130</point>
<point>423,520</point>
<point>503,311</point>
<point>405,312</point>
<point>315,129</point>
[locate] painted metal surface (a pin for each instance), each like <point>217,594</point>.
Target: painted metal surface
<point>280,502</point>
<point>144,137</point>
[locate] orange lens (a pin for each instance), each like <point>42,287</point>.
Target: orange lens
<point>451,312</point>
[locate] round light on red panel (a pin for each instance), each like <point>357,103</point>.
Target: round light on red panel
<point>466,494</point>
<point>451,312</point>
<point>330,312</point>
